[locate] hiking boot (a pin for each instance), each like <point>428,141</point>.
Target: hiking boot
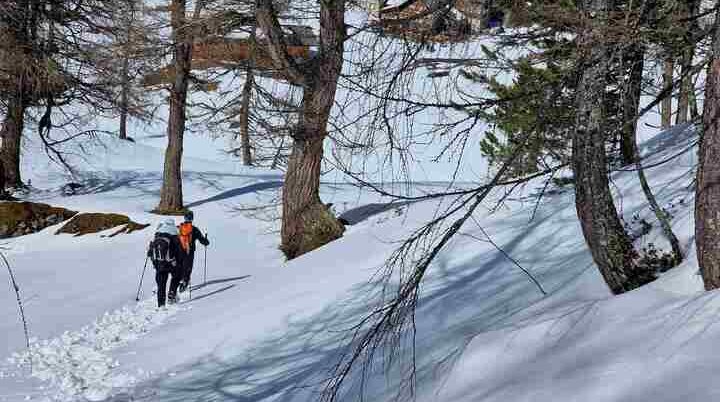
<point>183,286</point>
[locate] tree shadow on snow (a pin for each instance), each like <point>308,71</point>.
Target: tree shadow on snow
<point>252,188</point>
<point>677,136</point>
<point>356,215</point>
<point>481,289</point>
<point>216,281</point>
<point>204,295</point>
<point>144,183</point>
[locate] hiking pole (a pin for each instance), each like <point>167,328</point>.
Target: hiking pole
<point>205,263</point>
<point>137,296</point>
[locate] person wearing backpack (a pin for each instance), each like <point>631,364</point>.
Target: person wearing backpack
<point>188,233</point>
<point>164,252</point>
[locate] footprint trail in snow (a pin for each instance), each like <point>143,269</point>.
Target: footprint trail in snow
<point>77,363</point>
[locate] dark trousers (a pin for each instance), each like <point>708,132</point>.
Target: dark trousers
<point>161,278</point>
<point>187,266</point>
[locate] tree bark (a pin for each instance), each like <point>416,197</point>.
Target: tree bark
<point>307,223</point>
<point>19,22</point>
<point>634,64</point>
<point>611,248</point>
<point>685,87</point>
<point>171,196</point>
<point>11,136</point>
<point>245,118</point>
<point>124,97</point>
<point>694,110</point>
<point>660,214</point>
<point>689,10</point>
<point>245,103</point>
<point>707,192</point>
<point>666,105</point>
<point>125,79</point>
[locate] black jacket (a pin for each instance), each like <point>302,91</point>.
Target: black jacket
<point>173,253</point>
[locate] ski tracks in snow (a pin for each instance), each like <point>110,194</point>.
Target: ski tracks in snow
<point>77,364</point>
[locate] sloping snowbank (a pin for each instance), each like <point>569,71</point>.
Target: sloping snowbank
<point>266,330</point>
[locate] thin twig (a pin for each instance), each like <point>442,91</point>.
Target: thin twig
<point>506,255</point>
<point>20,307</point>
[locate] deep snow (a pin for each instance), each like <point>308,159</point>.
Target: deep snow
<point>263,329</point>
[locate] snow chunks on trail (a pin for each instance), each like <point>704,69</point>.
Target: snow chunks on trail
<point>77,363</point>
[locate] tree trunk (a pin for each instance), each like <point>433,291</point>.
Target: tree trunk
<point>707,192</point>
<point>245,104</point>
<point>694,110</point>
<point>171,197</point>
<point>660,214</point>
<point>634,64</point>
<point>124,95</point>
<point>685,88</point>
<point>307,223</point>
<point>11,136</point>
<point>612,250</point>
<point>20,25</point>
<point>125,79</point>
<point>245,118</point>
<point>690,8</point>
<point>666,106</point>
<point>123,124</point>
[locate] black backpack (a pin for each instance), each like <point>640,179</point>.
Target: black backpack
<point>160,253</point>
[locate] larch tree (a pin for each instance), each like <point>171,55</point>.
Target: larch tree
<point>631,79</point>
<point>171,194</point>
<point>633,65</point>
<point>248,85</point>
<point>18,21</point>
<point>127,45</point>
<point>49,58</point>
<point>666,106</point>
<point>687,52</point>
<point>707,192</point>
<point>131,55</point>
<point>611,248</point>
<point>306,222</point>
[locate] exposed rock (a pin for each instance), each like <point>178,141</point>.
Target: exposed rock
<point>21,218</point>
<point>87,223</point>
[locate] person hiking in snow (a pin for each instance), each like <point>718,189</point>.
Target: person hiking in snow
<point>188,234</point>
<point>165,253</point>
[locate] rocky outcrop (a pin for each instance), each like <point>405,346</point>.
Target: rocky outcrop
<point>87,223</point>
<point>22,218</point>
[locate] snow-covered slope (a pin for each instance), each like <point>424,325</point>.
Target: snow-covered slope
<point>262,329</point>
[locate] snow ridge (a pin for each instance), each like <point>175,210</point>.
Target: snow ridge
<point>77,364</point>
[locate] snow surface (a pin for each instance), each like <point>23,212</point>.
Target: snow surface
<point>262,329</point>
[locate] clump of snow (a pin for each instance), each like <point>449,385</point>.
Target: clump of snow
<point>77,364</point>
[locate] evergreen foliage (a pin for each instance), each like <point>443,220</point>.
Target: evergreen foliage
<point>539,101</point>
